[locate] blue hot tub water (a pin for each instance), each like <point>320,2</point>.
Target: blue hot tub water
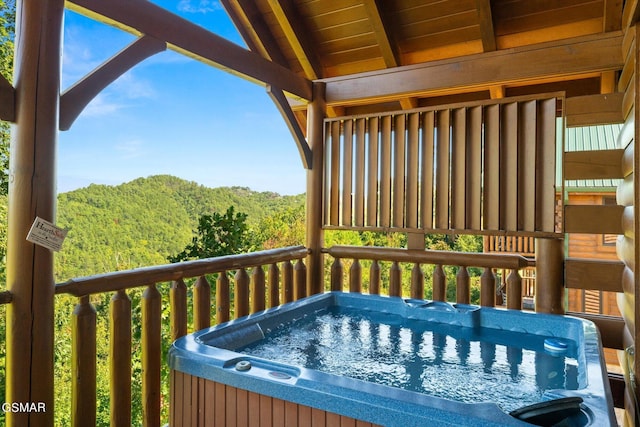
<point>405,362</point>
<point>470,365</point>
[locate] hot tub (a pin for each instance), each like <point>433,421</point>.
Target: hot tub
<point>340,357</point>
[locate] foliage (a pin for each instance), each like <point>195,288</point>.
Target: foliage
<point>217,235</point>
<point>7,35</point>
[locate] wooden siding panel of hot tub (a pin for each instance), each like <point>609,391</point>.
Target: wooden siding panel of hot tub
<point>198,402</point>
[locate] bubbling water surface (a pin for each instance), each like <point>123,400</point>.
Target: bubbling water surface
<point>452,362</point>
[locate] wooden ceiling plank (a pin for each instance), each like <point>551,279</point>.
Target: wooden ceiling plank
<point>7,100</point>
<point>297,36</point>
<point>547,18</point>
<point>383,32</point>
<point>144,17</point>
<point>589,54</point>
<point>485,19</point>
<point>253,29</point>
<point>78,96</point>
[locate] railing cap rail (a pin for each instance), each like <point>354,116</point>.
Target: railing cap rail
<point>462,259</point>
<point>143,276</point>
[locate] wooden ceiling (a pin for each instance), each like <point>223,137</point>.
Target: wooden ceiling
<point>474,49</point>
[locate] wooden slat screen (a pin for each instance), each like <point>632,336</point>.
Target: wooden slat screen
<point>464,168</point>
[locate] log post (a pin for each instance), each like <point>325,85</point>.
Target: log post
<point>315,234</point>
<point>83,363</point>
<point>120,356</point>
<point>550,275</point>
<point>32,193</point>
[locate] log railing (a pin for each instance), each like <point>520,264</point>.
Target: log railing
<point>253,292</point>
<point>488,290</point>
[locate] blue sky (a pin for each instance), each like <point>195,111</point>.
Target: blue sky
<point>172,115</point>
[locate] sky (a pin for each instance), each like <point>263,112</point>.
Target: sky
<point>172,115</point>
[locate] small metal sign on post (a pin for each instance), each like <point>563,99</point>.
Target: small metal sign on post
<point>46,234</point>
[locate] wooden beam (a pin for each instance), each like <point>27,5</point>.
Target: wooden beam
<point>496,92</point>
<point>76,98</point>
<point>608,82</point>
<point>409,103</point>
<point>612,16</point>
<point>383,32</point>
<point>558,59</point>
<point>591,274</point>
<point>596,164</point>
<point>7,100</point>
<point>485,19</point>
<point>254,30</point>
<point>594,109</point>
<point>144,17</point>
<point>278,98</point>
<point>593,219</point>
<point>297,36</point>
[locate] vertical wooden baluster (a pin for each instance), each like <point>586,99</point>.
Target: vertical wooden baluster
<point>242,293</point>
<point>257,289</point>
<point>274,285</point>
<point>83,363</point>
<point>287,281</point>
<point>488,288</point>
<point>355,277</point>
<point>223,299</point>
<point>463,287</point>
<point>417,282</point>
<point>395,275</point>
<point>439,284</point>
<point>337,274</point>
<point>374,278</point>
<point>299,280</point>
<point>178,302</point>
<point>514,290</point>
<point>201,304</point>
<point>151,355</point>
<point>120,358</point>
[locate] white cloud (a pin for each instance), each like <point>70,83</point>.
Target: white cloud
<point>199,6</point>
<point>130,149</point>
<point>102,105</point>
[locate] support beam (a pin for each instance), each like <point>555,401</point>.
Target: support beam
<point>315,234</point>
<point>254,30</point>
<point>383,32</point>
<point>298,37</point>
<point>76,98</point>
<point>278,98</point>
<point>485,19</point>
<point>144,17</point>
<point>573,57</point>
<point>32,192</point>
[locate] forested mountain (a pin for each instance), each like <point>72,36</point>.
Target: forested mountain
<point>144,221</point>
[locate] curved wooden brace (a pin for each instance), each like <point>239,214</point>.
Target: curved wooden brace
<point>76,98</point>
<point>7,100</point>
<point>278,97</point>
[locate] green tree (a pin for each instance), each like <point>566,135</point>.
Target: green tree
<point>217,234</point>
<point>7,36</point>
